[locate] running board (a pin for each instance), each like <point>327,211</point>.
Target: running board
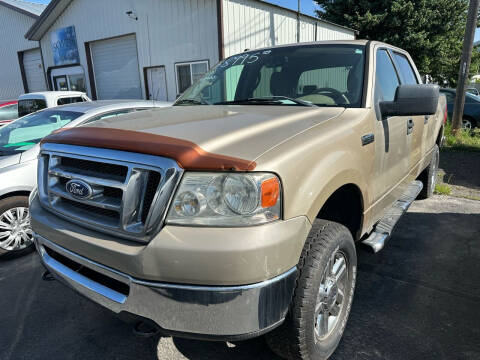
<point>385,226</point>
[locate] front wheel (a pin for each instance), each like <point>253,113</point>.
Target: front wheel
<point>323,295</point>
<point>16,235</point>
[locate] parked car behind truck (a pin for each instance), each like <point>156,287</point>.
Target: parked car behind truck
<point>471,110</point>
<point>31,102</point>
<point>234,213</point>
<point>18,159</point>
<point>8,112</point>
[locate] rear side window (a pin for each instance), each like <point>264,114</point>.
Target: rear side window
<point>405,68</point>
<point>28,106</point>
<point>69,100</point>
<point>9,112</point>
<point>386,79</point>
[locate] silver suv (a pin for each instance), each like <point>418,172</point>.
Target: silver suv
<point>19,148</point>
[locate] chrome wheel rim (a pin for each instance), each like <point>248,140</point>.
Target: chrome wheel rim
<point>466,125</point>
<point>434,172</point>
<point>15,231</point>
<point>331,296</point>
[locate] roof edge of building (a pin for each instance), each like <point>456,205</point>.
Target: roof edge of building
<point>20,10</point>
<point>35,32</point>
<point>308,16</point>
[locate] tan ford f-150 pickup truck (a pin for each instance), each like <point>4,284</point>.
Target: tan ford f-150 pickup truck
<point>235,213</point>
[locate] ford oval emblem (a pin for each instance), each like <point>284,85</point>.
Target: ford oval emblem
<point>79,189</point>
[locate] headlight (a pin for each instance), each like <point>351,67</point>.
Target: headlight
<point>226,199</point>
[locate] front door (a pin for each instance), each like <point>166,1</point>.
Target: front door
<point>391,142</point>
<point>157,83</point>
<point>61,83</point>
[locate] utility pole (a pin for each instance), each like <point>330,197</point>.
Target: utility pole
<point>465,65</point>
<point>298,22</point>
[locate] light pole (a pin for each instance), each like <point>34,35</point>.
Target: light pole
<point>298,22</point>
<point>465,65</point>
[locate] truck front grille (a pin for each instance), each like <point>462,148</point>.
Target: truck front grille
<point>128,192</point>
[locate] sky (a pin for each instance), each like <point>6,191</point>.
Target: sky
<point>306,6</point>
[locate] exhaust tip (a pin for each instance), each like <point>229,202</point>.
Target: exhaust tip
<point>145,329</point>
<point>47,276</point>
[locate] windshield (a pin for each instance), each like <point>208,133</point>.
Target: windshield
<point>322,75</point>
<point>24,133</point>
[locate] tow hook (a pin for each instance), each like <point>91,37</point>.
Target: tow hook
<point>144,329</point>
<point>47,276</point>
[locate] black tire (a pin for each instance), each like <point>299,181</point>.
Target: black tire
<point>10,203</point>
<point>296,338</point>
<point>429,175</point>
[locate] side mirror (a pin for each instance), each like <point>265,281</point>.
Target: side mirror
<point>411,100</point>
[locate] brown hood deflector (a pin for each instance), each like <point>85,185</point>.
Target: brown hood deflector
<point>187,154</point>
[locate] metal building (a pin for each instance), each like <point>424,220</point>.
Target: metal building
<point>20,59</point>
<point>155,49</point>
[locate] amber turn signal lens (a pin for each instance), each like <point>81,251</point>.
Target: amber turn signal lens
<point>270,192</point>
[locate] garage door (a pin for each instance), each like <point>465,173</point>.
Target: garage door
<point>32,63</point>
<point>115,66</point>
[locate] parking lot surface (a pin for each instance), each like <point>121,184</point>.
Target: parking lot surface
<point>417,299</point>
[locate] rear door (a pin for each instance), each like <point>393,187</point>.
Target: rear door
<point>418,128</point>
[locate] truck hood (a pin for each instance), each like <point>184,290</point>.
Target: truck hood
<point>241,131</point>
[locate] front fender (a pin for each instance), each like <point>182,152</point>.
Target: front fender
<point>20,177</point>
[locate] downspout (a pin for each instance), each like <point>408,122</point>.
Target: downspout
<point>47,80</point>
<point>221,49</point>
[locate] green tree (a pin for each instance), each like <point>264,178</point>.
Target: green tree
<point>431,31</point>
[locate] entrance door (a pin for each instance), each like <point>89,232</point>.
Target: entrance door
<point>157,83</point>
<point>68,78</point>
<point>61,83</point>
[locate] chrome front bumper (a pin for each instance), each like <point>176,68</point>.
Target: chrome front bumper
<point>206,311</point>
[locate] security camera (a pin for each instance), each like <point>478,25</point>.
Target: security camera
<point>132,15</point>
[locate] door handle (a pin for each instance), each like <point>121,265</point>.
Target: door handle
<point>410,125</point>
<point>426,119</point>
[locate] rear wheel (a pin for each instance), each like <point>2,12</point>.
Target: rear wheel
<point>323,296</point>
<point>16,235</point>
<point>429,176</point>
<point>467,124</point>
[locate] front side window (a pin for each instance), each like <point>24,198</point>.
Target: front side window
<point>386,79</point>
<point>9,112</point>
<point>189,73</point>
<point>28,106</point>
<point>24,133</point>
<point>322,75</point>
<point>405,68</point>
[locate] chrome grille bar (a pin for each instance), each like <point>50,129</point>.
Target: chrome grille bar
<point>130,192</point>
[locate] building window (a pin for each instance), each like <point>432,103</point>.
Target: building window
<point>188,73</point>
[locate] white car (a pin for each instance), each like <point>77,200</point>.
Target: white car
<point>31,102</point>
<point>19,149</point>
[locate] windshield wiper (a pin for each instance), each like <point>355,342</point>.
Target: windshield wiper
<point>274,100</point>
<point>191,102</point>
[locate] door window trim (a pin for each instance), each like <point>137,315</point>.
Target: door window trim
<point>397,67</point>
<point>388,51</point>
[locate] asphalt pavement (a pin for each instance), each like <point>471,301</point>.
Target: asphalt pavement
<point>417,299</point>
